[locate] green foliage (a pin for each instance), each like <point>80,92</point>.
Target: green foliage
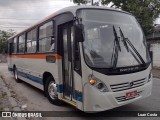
<point>146,11</point>
<point>4,35</point>
<point>79,2</point>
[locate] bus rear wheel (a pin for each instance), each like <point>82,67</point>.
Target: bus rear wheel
<point>51,91</point>
<point>15,72</point>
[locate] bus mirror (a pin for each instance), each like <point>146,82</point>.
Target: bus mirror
<point>78,33</point>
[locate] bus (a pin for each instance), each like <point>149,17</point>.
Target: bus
<point>94,58</point>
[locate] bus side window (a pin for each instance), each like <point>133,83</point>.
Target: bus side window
<point>21,44</point>
<point>14,45</point>
<point>46,37</point>
<point>32,41</point>
<point>77,57</point>
<point>77,60</point>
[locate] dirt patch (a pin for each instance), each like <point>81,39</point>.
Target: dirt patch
<point>5,104</point>
<point>20,101</point>
<point>156,72</point>
<point>7,95</point>
<point>11,101</point>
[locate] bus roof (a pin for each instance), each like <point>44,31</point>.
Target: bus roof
<point>71,9</point>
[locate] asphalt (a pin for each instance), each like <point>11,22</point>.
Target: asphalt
<point>24,93</point>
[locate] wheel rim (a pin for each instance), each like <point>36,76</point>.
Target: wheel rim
<point>16,74</point>
<point>52,90</point>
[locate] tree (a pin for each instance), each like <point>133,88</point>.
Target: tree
<point>146,11</point>
<point>4,35</point>
<point>79,2</point>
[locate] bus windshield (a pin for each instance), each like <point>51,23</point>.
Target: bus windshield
<point>112,39</point>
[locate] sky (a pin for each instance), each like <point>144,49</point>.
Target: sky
<point>20,14</point>
<point>157,21</point>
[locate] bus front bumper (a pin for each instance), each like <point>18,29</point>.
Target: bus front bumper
<point>96,101</point>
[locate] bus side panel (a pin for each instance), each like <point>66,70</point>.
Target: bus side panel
<point>78,90</point>
<point>10,64</point>
<point>34,68</point>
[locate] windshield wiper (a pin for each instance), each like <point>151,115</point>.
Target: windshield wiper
<point>117,48</point>
<point>125,41</point>
<point>116,38</point>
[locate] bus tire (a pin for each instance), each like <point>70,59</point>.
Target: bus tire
<point>15,72</point>
<point>51,91</point>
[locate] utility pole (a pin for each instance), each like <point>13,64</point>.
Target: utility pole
<point>95,3</point>
<point>91,2</point>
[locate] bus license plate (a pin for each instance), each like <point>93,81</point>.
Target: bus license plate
<point>131,94</point>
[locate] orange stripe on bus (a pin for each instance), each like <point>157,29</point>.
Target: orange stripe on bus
<point>35,56</point>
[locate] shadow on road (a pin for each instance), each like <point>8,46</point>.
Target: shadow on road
<point>127,110</point>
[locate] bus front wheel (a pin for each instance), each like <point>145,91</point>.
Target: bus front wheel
<point>51,91</point>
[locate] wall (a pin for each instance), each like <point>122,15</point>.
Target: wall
<point>155,47</point>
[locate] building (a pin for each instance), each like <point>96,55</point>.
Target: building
<point>155,34</point>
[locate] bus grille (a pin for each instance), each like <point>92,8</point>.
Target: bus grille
<point>124,98</point>
<point>127,85</point>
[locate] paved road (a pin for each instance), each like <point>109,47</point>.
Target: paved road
<point>36,101</point>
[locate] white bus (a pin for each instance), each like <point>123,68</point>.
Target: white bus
<point>94,58</point>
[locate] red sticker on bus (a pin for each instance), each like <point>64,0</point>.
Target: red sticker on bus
<point>131,94</point>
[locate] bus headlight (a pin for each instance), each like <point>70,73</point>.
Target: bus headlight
<point>98,84</point>
<point>92,81</point>
<point>150,77</point>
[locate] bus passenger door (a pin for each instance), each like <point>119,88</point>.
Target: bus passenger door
<point>67,62</point>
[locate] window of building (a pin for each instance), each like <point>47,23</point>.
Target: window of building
<point>32,41</point>
<point>46,37</point>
